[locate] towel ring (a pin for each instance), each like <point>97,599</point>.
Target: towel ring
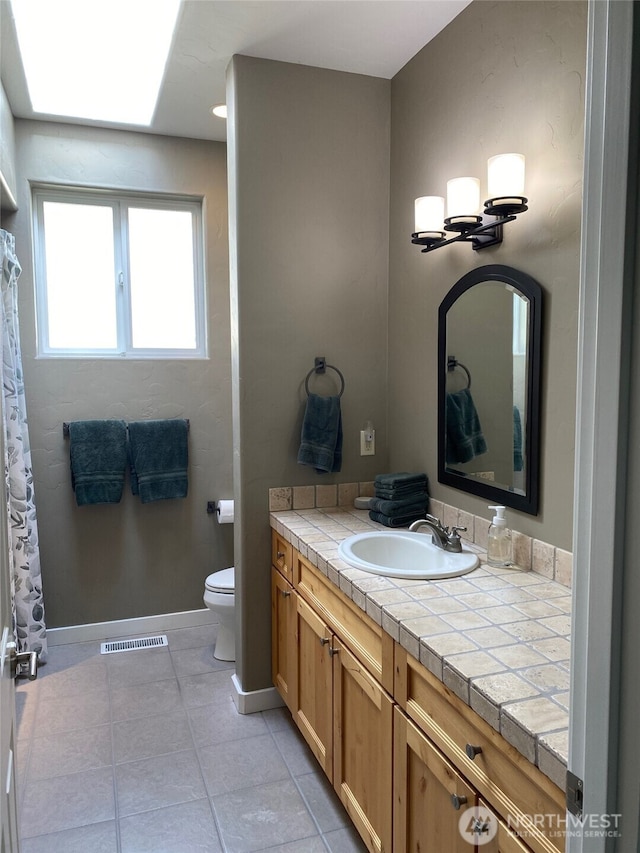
<point>452,363</point>
<point>320,367</point>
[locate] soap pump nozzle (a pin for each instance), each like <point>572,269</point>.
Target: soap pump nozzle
<point>498,519</point>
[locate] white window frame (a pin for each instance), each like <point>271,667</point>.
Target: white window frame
<point>120,202</point>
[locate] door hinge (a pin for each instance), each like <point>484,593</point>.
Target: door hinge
<point>575,794</point>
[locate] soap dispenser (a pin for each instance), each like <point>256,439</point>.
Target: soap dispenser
<point>499,548</point>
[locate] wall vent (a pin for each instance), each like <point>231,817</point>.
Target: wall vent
<point>130,645</point>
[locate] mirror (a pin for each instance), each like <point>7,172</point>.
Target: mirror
<point>489,331</point>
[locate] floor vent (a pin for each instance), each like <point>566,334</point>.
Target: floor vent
<point>131,645</point>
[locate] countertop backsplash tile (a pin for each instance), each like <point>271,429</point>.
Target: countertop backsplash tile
<point>528,554</point>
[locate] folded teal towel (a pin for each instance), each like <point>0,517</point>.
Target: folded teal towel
<point>464,433</point>
<point>158,456</point>
<point>400,508</point>
<point>401,480</point>
<point>414,492</point>
<point>98,453</point>
<point>394,521</point>
<point>321,439</point>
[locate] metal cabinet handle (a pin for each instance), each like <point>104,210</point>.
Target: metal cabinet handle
<point>285,593</point>
<point>324,641</point>
<point>472,750</point>
<point>458,801</point>
<point>333,651</point>
<point>280,555</point>
<point>16,659</point>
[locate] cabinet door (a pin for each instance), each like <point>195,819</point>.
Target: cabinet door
<point>429,795</point>
<point>314,689</point>
<point>284,650</point>
<point>502,839</point>
<point>362,762</point>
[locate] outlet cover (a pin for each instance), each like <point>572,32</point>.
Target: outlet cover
<point>367,443</point>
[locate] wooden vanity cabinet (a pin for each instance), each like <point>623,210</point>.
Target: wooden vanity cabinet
<point>394,741</point>
<point>504,841</point>
<point>430,795</point>
<point>283,637</point>
<point>341,709</point>
<point>282,555</point>
<point>313,700</point>
<point>362,748</point>
<point>513,787</point>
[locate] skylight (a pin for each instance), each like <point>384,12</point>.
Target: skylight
<point>102,60</point>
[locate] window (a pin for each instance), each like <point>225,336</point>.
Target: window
<point>118,275</point>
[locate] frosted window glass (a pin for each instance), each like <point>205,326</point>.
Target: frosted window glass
<point>162,279</point>
<point>79,257</point>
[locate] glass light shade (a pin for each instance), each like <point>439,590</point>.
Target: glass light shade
<point>429,213</point>
<point>463,197</point>
<point>506,175</point>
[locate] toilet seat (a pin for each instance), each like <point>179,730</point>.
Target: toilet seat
<point>223,581</point>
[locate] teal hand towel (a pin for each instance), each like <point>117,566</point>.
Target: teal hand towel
<point>98,456</point>
<point>464,433</point>
<point>321,439</point>
<point>158,457</point>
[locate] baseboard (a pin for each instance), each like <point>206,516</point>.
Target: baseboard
<point>252,701</point>
<point>128,627</point>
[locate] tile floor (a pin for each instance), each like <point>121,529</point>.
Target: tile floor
<point>144,752</point>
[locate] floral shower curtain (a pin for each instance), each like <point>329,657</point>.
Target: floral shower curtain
<point>24,553</point>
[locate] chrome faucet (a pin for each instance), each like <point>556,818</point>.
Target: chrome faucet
<point>448,540</point>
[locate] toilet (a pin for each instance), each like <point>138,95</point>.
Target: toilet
<point>219,596</point>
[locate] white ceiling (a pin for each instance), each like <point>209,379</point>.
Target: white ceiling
<point>372,37</point>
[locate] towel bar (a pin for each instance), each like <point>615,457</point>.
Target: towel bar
<point>320,367</point>
<point>452,363</point>
<point>65,428</point>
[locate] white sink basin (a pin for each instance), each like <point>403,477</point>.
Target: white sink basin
<point>403,554</point>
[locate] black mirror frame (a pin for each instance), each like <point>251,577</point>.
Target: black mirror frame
<point>529,288</point>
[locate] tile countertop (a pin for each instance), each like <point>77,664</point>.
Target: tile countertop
<point>498,638</point>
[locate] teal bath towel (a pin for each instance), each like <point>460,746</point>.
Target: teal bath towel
<point>321,439</point>
<point>158,456</point>
<point>518,462</point>
<point>98,454</point>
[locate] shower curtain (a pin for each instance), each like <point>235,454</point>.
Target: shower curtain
<point>24,553</point>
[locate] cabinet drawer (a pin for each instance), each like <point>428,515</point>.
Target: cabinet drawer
<point>282,555</point>
<point>514,787</point>
<point>369,643</point>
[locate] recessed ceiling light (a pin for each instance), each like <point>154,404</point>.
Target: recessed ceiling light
<point>219,110</point>
<point>103,61</point>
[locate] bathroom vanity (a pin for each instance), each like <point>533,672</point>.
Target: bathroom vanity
<point>408,757</point>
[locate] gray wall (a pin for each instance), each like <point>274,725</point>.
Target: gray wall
<point>308,185</point>
<point>7,155</point>
<point>501,77</point>
<point>118,561</point>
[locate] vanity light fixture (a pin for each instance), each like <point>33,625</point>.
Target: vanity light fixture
<point>505,202</point>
